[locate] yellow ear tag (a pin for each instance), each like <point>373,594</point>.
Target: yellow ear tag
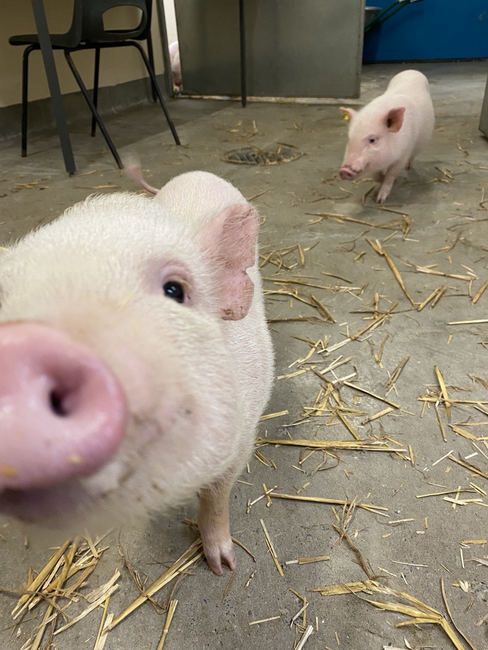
<point>346,117</point>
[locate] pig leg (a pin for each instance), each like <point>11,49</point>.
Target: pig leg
<point>213,524</point>
<point>388,181</point>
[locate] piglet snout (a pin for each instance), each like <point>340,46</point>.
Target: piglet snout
<point>62,412</point>
<point>347,174</point>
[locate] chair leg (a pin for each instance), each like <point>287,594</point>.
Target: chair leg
<point>95,89</point>
<point>93,109</point>
<point>150,54</point>
<point>25,89</point>
<point>157,90</point>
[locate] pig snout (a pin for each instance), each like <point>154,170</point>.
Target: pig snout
<point>62,412</point>
<point>347,174</point>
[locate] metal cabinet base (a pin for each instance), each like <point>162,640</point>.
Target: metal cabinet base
<point>484,113</point>
<point>295,48</point>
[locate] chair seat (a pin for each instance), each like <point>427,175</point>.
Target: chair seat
<point>61,41</point>
<point>57,40</point>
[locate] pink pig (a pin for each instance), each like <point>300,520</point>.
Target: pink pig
<point>135,359</point>
<point>174,54</point>
<point>387,134</point>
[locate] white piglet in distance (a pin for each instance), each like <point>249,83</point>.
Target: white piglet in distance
<point>387,134</point>
<point>135,359</point>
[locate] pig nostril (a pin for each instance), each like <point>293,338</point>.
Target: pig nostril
<point>58,404</point>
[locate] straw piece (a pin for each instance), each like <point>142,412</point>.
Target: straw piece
<point>472,468</point>
<point>322,309</point>
<point>396,373</point>
<point>419,614</point>
<point>89,609</point>
<point>42,628</point>
<point>468,322</point>
<point>442,291</point>
<point>337,502</point>
<point>342,532</point>
<point>424,269</point>
<point>265,620</point>
<point>443,388</point>
<point>244,548</point>
<point>439,421</point>
<point>102,639</point>
<point>310,560</point>
<point>428,398</point>
<point>352,445</point>
<point>228,586</point>
<point>104,622</point>
<point>378,248</point>
<point>339,589</point>
<point>380,414</point>
<point>429,298</point>
<point>167,623</point>
<point>270,416</point>
<point>479,293</point>
<point>308,632</point>
<point>375,323</point>
<point>38,581</point>
<point>444,492</point>
<point>302,610</point>
<point>342,217</point>
<point>271,549</point>
<point>367,392</point>
<point>250,578</point>
<point>465,434</point>
<point>449,613</point>
<point>348,426</point>
<point>189,557</point>
<point>303,283</point>
<point>96,593</point>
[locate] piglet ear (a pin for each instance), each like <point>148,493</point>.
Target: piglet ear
<point>230,240</point>
<point>347,113</point>
<point>394,119</point>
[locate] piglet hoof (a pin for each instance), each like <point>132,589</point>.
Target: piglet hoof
<point>382,195</point>
<point>218,552</point>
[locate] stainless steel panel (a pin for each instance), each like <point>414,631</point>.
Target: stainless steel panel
<point>295,48</point>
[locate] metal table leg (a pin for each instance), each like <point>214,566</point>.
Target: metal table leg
<point>54,90</point>
<point>242,35</point>
<point>163,32</point>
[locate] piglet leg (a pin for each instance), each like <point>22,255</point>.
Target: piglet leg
<point>213,523</point>
<point>388,181</point>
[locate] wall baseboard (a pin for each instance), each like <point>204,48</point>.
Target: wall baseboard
<point>111,99</point>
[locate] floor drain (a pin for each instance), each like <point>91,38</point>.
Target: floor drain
<point>256,156</point>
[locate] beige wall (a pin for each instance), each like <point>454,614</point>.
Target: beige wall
<point>117,66</point>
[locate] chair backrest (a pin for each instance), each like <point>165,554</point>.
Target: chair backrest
<point>92,12</point>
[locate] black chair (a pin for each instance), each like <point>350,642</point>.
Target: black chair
<point>87,32</point>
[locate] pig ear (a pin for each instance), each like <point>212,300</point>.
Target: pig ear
<point>347,113</point>
<point>231,240</point>
<point>394,119</point>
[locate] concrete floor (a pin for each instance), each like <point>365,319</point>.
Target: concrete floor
<point>422,539</point>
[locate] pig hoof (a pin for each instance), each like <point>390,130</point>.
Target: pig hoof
<point>217,554</point>
<point>382,196</point>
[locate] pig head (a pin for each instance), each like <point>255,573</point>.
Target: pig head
<point>135,359</point>
<point>370,146</point>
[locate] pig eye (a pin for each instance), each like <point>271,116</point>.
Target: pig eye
<point>373,140</point>
<point>174,290</point>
